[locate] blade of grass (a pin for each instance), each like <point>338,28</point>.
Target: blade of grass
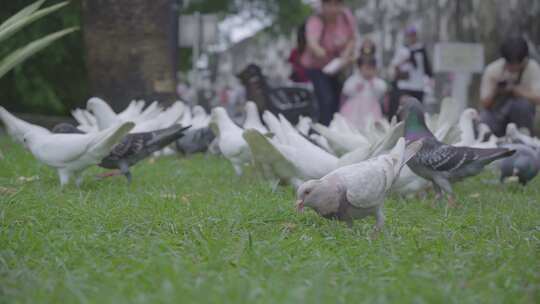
<point>23,53</point>
<point>25,12</point>
<point>21,22</point>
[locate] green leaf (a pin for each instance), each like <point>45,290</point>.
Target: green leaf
<point>23,53</point>
<point>25,12</point>
<point>24,20</point>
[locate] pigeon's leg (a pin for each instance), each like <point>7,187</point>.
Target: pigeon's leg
<point>124,168</point>
<point>274,184</point>
<point>78,179</point>
<point>109,174</point>
<point>447,188</point>
<point>438,195</point>
<point>64,177</point>
<point>379,223</point>
<point>237,169</point>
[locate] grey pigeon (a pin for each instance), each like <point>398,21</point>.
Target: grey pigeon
<point>195,141</point>
<point>133,147</point>
<point>524,164</point>
<point>440,163</point>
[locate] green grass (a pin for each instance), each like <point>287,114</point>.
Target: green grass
<point>189,231</point>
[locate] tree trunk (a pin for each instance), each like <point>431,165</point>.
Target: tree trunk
<point>130,49</point>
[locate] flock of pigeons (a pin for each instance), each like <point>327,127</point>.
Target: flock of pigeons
<point>338,170</point>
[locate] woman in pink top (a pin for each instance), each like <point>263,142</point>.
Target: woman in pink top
<point>330,34</point>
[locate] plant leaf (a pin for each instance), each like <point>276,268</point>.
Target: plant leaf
<point>21,22</point>
<point>25,12</point>
<point>30,49</point>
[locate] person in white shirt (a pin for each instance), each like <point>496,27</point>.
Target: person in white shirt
<point>409,68</point>
<point>362,93</point>
<point>510,88</point>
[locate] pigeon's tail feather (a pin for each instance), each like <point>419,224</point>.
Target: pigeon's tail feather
<point>489,155</point>
<point>164,137</point>
<point>17,127</point>
<point>108,138</point>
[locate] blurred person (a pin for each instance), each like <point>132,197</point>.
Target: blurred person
<point>330,34</point>
<point>299,73</point>
<point>510,88</point>
<point>362,93</point>
<point>367,48</point>
<point>409,69</point>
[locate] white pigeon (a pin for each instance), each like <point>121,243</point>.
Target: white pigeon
<point>382,145</point>
<point>151,119</point>
<point>70,154</point>
<point>187,117</point>
<point>516,135</point>
<point>356,191</point>
<point>253,120</point>
<point>151,112</point>
<point>304,125</point>
<point>200,118</point>
<point>230,141</point>
<point>341,141</point>
<point>132,112</point>
<point>466,126</point>
<point>164,120</point>
<point>17,128</point>
<point>105,116</point>
<point>288,157</point>
<point>87,121</point>
<point>288,164</point>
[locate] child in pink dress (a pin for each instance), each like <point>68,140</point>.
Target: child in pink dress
<point>362,93</point>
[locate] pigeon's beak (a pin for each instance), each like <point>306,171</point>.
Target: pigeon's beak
<point>299,206</point>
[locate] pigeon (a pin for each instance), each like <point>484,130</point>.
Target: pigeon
<point>105,116</point>
<point>200,118</point>
<point>304,125</point>
<point>70,154</point>
<point>516,135</point>
<point>66,128</point>
<point>230,141</point>
<point>288,164</point>
<point>356,191</point>
<point>17,128</point>
<point>195,141</point>
<point>524,164</point>
<point>165,119</point>
<point>342,142</point>
<point>133,147</point>
<point>288,157</point>
<point>253,120</point>
<point>87,121</point>
<point>440,163</point>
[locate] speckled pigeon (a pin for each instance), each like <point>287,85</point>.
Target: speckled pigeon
<point>440,163</point>
<point>133,147</point>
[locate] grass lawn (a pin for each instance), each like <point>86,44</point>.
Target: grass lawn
<point>189,231</point>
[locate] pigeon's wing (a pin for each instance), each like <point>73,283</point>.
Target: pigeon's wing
<point>365,183</point>
<point>441,157</point>
<point>265,154</point>
<point>130,145</point>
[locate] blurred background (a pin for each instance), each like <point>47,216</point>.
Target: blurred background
<point>193,49</point>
